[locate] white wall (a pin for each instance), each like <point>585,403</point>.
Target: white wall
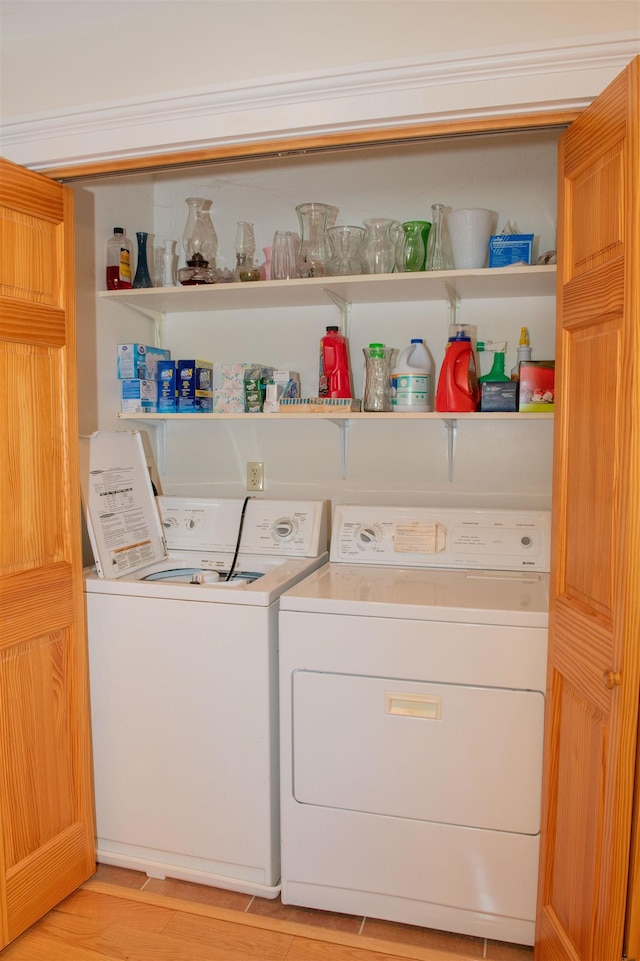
<point>58,54</point>
<point>96,80</point>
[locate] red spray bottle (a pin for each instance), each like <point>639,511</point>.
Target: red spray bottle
<point>335,379</point>
<point>458,390</point>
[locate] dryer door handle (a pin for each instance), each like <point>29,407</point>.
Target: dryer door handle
<point>413,705</point>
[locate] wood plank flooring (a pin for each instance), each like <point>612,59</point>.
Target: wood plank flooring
<point>121,919</point>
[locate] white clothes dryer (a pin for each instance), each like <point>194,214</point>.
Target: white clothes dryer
<point>412,680</point>
<point>182,615</point>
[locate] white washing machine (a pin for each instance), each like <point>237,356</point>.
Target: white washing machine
<point>183,665</point>
<point>412,680</point>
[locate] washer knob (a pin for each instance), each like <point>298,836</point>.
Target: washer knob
<point>284,529</point>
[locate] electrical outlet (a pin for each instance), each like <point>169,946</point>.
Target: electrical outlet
<point>255,475</point>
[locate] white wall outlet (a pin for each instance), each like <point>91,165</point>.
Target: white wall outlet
<point>255,475</point>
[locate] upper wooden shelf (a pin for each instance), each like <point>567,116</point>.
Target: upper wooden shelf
<point>491,283</point>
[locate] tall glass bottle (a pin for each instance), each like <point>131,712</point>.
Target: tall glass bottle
<point>119,260</point>
<point>438,254</point>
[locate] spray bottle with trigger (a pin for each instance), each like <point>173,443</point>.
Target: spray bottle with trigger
<point>524,353</point>
<point>496,373</point>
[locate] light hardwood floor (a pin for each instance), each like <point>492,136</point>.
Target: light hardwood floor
<point>122,915</point>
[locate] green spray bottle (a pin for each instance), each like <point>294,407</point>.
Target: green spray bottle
<point>497,369</point>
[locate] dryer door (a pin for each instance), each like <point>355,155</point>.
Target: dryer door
<point>447,753</point>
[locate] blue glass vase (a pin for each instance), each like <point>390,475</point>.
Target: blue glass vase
<point>142,277</point>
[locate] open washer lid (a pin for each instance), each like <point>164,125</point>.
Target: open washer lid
<point>122,517</point>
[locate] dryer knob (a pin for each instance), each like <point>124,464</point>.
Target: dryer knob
<point>367,536</point>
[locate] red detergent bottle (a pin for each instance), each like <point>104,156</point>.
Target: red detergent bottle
<point>458,390</point>
<point>335,374</point>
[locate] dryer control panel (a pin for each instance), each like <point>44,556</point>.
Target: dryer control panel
<point>443,538</point>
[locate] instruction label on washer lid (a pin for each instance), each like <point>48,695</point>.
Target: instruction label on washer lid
<point>416,538</point>
<point>123,522</point>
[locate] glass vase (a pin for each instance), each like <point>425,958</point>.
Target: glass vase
<point>379,255</point>
<point>315,253</point>
<point>376,395</point>
<point>142,277</point>
<point>346,244</point>
<point>410,250</point>
<point>284,255</point>
<point>168,261</point>
<point>438,253</point>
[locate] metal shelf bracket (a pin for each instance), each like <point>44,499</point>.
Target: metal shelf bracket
<point>156,316</point>
<point>343,426</point>
<point>344,306</point>
<point>451,425</point>
<point>454,302</point>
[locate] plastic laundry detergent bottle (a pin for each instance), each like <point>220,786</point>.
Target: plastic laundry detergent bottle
<point>458,390</point>
<point>412,379</point>
<point>335,372</point>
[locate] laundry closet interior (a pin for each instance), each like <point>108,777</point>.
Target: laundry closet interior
<point>476,460</point>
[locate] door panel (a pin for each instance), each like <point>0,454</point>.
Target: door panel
<point>594,670</point>
<point>46,807</point>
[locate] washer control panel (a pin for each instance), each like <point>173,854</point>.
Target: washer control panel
<point>268,527</point>
<point>438,537</point>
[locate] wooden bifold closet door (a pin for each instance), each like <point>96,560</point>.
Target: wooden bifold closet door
<point>46,794</point>
<point>594,659</point>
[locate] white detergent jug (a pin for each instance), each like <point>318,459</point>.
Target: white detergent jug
<point>412,379</point>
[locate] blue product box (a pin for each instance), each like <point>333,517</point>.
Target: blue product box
<point>140,361</point>
<point>195,386</point>
<point>167,387</point>
<point>139,396</point>
<point>506,249</point>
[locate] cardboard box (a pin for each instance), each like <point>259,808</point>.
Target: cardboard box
<point>536,386</point>
<point>167,387</point>
<point>506,249</point>
<point>140,361</point>
<point>255,385</point>
<point>228,400</point>
<point>138,396</point>
<point>499,395</point>
<point>233,376</point>
<point>195,386</point>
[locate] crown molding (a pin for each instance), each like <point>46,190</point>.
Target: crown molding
<point>524,79</point>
